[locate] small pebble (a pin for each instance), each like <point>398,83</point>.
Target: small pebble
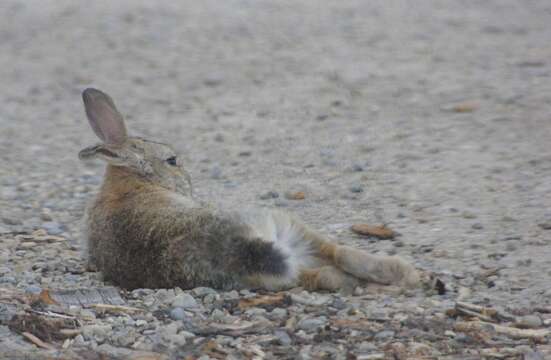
<point>269,195</point>
<point>216,172</point>
<point>356,189</point>
<point>477,226</point>
<point>546,225</point>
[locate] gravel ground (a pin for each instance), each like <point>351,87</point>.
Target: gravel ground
<point>433,119</point>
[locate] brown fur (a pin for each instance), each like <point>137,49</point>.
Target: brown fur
<point>145,229</point>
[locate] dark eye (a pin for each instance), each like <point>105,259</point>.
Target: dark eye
<point>171,160</point>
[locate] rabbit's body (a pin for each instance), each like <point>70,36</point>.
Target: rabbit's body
<point>166,239</point>
<point>146,230</point>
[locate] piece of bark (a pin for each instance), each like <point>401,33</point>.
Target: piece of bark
<point>298,195</point>
<point>379,231</point>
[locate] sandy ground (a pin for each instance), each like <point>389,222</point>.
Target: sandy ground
<point>433,118</point>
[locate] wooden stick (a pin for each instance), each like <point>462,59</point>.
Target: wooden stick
<point>115,308</point>
<point>481,312</point>
<point>37,341</point>
<point>53,314</point>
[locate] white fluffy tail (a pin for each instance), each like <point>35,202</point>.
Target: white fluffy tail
<point>279,229</point>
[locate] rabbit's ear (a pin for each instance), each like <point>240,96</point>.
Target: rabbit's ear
<point>101,151</point>
<point>103,116</point>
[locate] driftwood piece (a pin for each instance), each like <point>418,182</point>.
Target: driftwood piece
<point>515,333</point>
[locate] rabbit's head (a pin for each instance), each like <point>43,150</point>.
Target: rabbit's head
<point>152,161</point>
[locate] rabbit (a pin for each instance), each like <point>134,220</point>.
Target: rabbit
<point>145,229</point>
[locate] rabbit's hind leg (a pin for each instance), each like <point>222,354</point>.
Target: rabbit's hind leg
<point>328,278</point>
<point>359,263</point>
<point>387,270</point>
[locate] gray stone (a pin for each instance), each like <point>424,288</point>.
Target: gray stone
<point>176,339</point>
<point>529,322</point>
<point>356,189</point>
<point>185,301</point>
<point>255,311</point>
<point>79,341</point>
<point>384,335</point>
<point>165,295</point>
<point>52,227</point>
<point>468,215</point>
<point>177,313</point>
<point>96,331</point>
<point>231,295</point>
<point>33,289</point>
<point>8,280</point>
<point>216,172</point>
<point>217,315</point>
<point>477,226</point>
<point>202,291</point>
<point>283,338</point>
<point>310,324</point>
<point>8,220</point>
<point>279,313</point>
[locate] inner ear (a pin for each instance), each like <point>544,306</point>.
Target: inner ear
<point>97,151</point>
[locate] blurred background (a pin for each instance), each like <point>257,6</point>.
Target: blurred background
<point>432,117</point>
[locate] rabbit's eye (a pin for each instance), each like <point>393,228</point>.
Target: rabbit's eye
<point>171,160</point>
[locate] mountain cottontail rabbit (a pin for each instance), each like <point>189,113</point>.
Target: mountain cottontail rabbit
<point>146,230</point>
